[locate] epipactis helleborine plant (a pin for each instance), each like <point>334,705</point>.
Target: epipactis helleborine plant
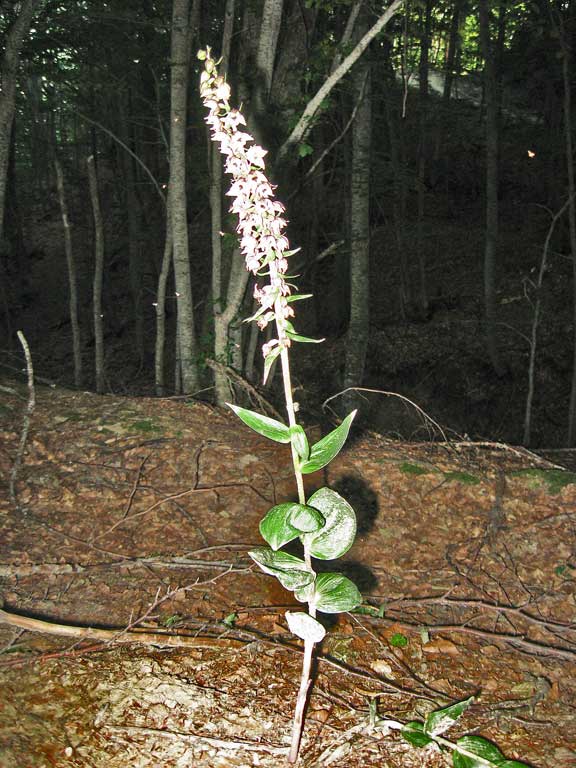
<point>325,523</point>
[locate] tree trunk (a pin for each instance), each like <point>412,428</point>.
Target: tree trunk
<point>98,274</point>
<point>72,282</point>
<point>565,42</point>
<point>357,336</point>
<point>135,240</point>
<point>422,160</point>
<point>491,235</point>
<point>187,346</point>
<point>160,305</point>
<point>266,55</point>
<point>8,78</point>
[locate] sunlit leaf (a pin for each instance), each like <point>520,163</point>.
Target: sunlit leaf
<point>268,363</point>
<point>298,297</point>
<point>306,519</point>
<point>413,733</point>
<point>285,522</point>
<point>304,149</point>
<point>339,532</point>
<point>264,425</point>
<point>440,720</point>
<point>303,339</point>
<point>300,441</point>
<point>304,594</point>
<point>305,627</point>
<point>324,450</point>
<point>335,593</point>
<point>487,753</point>
<point>291,572</point>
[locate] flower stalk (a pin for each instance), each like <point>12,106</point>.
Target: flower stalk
<point>325,523</point>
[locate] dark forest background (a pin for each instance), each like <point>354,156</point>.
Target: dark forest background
<point>429,183</point>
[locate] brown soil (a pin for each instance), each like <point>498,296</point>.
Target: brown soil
<point>135,515</point>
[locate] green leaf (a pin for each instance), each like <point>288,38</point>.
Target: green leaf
<point>230,620</point>
<point>439,721</point>
<point>306,519</point>
<point>303,339</point>
<point>298,297</point>
<point>488,754</point>
<point>334,593</point>
<point>268,362</point>
<point>304,150</point>
<point>300,442</point>
<point>413,733</point>
<point>304,594</point>
<point>291,572</point>
<point>398,640</point>
<point>324,451</point>
<point>338,534</point>
<point>285,522</point>
<point>305,627</point>
<point>264,425</point>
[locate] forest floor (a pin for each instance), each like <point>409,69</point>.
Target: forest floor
<point>134,517</point>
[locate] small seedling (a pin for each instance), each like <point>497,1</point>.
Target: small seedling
<point>325,524</point>
<point>467,751</point>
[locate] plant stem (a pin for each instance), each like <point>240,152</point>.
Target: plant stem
<point>308,645</point>
<point>301,701</point>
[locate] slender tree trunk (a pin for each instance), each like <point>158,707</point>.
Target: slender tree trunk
<point>423,142</point>
<point>187,345</point>
<point>536,323</point>
<point>72,282</point>
<point>8,78</point>
<point>266,54</point>
<point>569,148</point>
<point>492,216</point>
<point>160,306</point>
<point>135,255</point>
<point>98,275</point>
<point>357,336</point>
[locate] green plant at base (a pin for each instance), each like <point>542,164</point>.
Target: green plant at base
<point>467,751</point>
<point>325,524</point>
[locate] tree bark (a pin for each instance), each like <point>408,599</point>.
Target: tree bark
<point>187,345</point>
<point>266,54</point>
<point>72,281</point>
<point>98,275</point>
<point>492,215</point>
<point>8,80</point>
<point>305,121</point>
<point>357,336</point>
<point>565,40</point>
<point>160,305</point>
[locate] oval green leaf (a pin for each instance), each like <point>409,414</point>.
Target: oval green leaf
<point>339,532</point>
<point>304,594</point>
<point>305,627</point>
<point>413,733</point>
<point>291,572</point>
<point>306,519</point>
<point>440,720</point>
<point>285,522</point>
<point>487,753</point>
<point>324,450</point>
<point>335,593</point>
<point>264,425</point>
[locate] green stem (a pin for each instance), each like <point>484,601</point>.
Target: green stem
<point>301,701</point>
<point>308,645</point>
